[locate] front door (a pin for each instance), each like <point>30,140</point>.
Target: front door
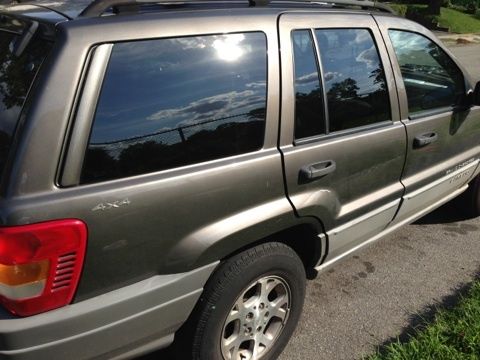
<point>443,133</point>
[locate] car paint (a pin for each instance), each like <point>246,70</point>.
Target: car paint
<point>181,219</point>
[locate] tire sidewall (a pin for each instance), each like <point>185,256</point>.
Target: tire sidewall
<point>270,265</point>
<point>476,196</point>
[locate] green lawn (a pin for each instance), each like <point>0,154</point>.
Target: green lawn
<point>456,21</point>
<point>459,22</point>
<point>454,335</point>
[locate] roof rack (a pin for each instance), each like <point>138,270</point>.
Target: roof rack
<point>98,7</point>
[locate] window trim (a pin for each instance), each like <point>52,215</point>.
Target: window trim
<point>431,112</point>
<point>342,133</point>
<point>86,107</point>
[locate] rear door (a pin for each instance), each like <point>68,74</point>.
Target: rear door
<point>341,139</point>
<point>443,136</point>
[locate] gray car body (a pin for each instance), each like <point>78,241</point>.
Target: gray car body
<point>155,239</point>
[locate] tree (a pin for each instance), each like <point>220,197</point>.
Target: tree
<point>434,7</point>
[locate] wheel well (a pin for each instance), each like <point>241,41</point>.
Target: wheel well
<point>303,239</point>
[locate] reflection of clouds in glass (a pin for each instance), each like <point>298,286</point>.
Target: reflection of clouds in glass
<point>406,42</point>
<point>414,49</point>
<point>213,107</point>
<point>307,79</point>
<point>362,36</point>
<point>257,85</point>
<point>191,43</point>
<point>332,75</point>
<point>369,57</point>
<point>178,81</point>
<point>228,47</point>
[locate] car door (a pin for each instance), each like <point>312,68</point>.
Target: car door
<point>342,141</point>
<point>443,133</point>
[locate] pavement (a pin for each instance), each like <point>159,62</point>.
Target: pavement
<point>469,55</point>
<point>388,289</point>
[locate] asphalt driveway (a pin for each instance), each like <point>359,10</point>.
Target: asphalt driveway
<point>386,290</point>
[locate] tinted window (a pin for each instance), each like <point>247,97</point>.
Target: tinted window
<point>432,80</point>
<point>173,102</point>
<point>309,115</point>
<point>354,79</point>
<point>20,60</point>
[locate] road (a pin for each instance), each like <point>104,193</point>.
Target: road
<point>469,55</point>
<point>389,288</point>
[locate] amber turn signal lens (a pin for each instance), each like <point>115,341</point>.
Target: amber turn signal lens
<point>13,275</point>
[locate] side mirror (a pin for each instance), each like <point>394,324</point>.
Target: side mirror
<point>472,98</point>
<point>476,94</point>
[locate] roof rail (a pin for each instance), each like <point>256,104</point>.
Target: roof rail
<point>98,7</point>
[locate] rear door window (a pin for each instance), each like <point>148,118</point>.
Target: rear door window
<point>354,79</point>
<point>173,102</point>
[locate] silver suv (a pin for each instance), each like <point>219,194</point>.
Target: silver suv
<point>177,169</point>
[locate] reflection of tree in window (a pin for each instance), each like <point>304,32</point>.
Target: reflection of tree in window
<point>309,112</point>
<point>17,73</point>
<point>354,78</point>
<point>346,89</point>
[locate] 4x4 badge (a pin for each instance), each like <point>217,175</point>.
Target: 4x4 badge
<point>111,205</point>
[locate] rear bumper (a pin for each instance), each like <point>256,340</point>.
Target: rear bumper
<point>120,324</point>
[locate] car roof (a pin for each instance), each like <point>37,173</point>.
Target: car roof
<point>61,10</point>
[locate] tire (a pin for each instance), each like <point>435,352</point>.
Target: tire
<point>239,315</point>
<point>472,198</point>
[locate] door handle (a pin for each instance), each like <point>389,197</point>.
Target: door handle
<point>318,170</point>
<point>425,139</point>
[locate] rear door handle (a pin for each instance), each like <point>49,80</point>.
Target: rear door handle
<point>425,139</point>
<point>318,170</point>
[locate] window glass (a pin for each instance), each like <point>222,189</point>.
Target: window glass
<point>173,102</point>
<point>18,69</point>
<point>309,113</point>
<point>354,78</point>
<point>432,80</point>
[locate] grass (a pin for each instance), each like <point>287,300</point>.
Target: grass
<point>459,22</point>
<point>453,335</point>
<point>455,20</point>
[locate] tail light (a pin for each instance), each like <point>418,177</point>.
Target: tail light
<point>40,265</point>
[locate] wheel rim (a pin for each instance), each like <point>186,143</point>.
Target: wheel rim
<point>256,319</point>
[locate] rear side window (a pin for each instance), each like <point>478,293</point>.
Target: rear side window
<point>21,56</point>
<point>354,79</point>
<point>432,79</point>
<point>174,102</point>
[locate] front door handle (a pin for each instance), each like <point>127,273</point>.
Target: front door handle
<point>425,139</point>
<point>318,170</point>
